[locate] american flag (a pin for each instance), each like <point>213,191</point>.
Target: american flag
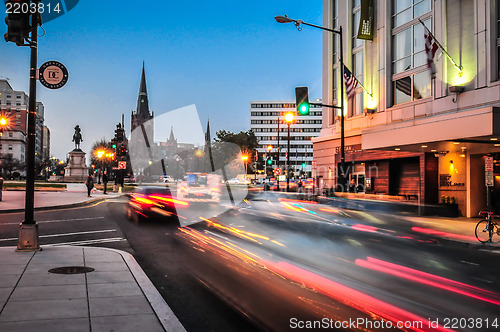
<point>350,83</point>
<point>430,49</point>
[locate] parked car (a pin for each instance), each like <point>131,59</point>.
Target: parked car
<point>153,202</point>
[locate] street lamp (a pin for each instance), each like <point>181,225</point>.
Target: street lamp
<point>285,19</point>
<point>245,158</point>
<point>289,120</point>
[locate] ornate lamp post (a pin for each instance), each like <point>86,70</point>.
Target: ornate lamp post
<point>285,19</point>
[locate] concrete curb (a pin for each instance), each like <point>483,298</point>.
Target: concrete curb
<point>165,315</point>
<point>61,207</point>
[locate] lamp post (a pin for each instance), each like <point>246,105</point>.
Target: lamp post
<point>285,19</point>
<point>289,120</point>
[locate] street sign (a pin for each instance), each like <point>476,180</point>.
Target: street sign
<point>489,179</point>
<point>277,171</point>
<point>122,165</point>
<point>53,75</point>
<point>488,164</point>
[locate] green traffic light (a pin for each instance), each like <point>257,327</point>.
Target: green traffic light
<point>114,146</point>
<point>304,165</point>
<point>269,161</point>
<point>304,109</point>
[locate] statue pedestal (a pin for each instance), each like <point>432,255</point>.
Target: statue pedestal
<point>76,169</point>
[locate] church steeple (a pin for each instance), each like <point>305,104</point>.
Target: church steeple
<point>142,101</point>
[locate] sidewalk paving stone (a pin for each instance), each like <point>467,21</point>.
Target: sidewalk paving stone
<point>134,323</point>
<point>66,325</point>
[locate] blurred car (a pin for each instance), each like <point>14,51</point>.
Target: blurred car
<point>168,179</point>
<point>152,202</point>
<point>238,181</point>
<point>308,183</point>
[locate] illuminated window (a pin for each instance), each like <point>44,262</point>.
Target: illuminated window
<point>411,79</point>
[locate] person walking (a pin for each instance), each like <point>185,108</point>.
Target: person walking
<point>90,184</point>
<point>105,181</point>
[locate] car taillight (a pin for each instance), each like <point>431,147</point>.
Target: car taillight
<point>170,201</point>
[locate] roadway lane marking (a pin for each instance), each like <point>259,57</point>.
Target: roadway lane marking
<point>55,220</point>
<point>82,243</point>
<point>65,234</point>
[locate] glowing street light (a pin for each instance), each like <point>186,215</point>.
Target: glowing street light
<point>245,159</point>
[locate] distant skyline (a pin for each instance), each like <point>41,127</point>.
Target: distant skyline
<point>216,55</point>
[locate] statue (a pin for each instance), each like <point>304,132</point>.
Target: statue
<point>77,137</point>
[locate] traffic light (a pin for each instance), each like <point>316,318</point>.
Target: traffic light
<point>304,165</point>
<point>269,161</point>
<point>302,100</point>
<point>18,21</point>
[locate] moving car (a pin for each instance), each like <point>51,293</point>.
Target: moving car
<point>153,202</point>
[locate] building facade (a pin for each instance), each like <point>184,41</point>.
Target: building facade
<point>417,136</point>
<point>13,107</point>
<point>266,116</point>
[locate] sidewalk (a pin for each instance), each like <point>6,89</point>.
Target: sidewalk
<point>75,194</point>
<point>455,229</point>
<point>115,296</point>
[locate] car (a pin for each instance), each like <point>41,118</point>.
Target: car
<point>168,179</point>
<point>234,181</point>
<point>154,202</point>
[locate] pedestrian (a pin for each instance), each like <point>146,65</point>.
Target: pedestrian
<point>105,181</point>
<point>1,187</point>
<point>90,184</point>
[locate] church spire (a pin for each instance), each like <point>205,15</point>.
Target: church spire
<point>142,101</point>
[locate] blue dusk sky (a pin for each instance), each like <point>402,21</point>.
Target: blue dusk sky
<point>215,55</point>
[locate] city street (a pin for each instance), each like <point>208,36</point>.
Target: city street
<point>153,245</point>
<point>279,260</point>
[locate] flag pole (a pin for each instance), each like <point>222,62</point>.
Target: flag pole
<point>458,67</point>
<point>361,85</point>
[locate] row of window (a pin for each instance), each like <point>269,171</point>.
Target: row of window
<point>408,53</point>
<point>285,130</point>
<point>8,148</point>
<point>8,102</point>
<point>281,113</point>
<point>279,106</point>
<point>295,146</point>
<point>8,95</point>
<point>293,155</point>
<point>276,122</point>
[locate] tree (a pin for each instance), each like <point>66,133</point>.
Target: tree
<point>245,140</point>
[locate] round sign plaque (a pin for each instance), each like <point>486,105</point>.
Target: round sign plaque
<point>53,75</point>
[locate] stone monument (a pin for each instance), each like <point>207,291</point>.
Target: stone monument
<point>76,170</point>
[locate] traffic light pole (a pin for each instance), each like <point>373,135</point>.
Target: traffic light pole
<point>28,232</point>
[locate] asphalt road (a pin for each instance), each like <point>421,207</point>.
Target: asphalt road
<point>153,245</point>
<point>278,259</point>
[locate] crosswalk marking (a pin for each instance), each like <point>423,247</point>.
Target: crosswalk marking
<point>65,234</point>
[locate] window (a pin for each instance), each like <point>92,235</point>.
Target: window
<point>18,96</point>
<point>412,87</point>
<point>10,147</point>
<point>407,10</point>
<point>411,79</point>
<point>355,106</point>
<point>10,135</point>
<point>409,47</point>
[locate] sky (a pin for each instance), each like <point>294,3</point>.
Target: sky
<point>216,56</point>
